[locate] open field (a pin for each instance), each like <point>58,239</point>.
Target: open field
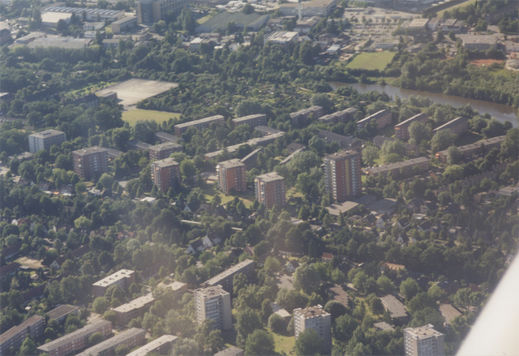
<point>130,92</point>
<point>284,344</point>
<point>371,60</point>
<point>210,191</point>
<point>463,4</point>
<point>31,263</point>
<point>486,62</point>
<point>133,115</point>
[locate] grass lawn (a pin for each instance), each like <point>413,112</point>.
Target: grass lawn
<point>204,19</point>
<point>284,344</point>
<point>371,60</point>
<point>463,4</point>
<point>294,193</point>
<point>134,115</point>
<point>210,191</point>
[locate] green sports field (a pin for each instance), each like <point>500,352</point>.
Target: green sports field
<point>134,115</point>
<point>371,60</point>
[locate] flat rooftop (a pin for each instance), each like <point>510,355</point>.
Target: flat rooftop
<point>449,123</point>
<point>67,338</point>
<point>230,271</point>
<point>306,111</point>
<point>200,121</point>
<point>89,150</point>
<point>165,146</point>
<point>153,345</point>
<point>394,306</point>
<point>117,276</point>
<point>212,291</point>
<point>166,162</point>
<point>18,328</point>
<point>114,341</point>
<point>136,303</point>
<point>130,92</point>
<point>61,311</point>
<point>423,332</point>
<point>270,177</point>
<point>47,133</point>
<point>311,312</point>
<point>231,163</point>
<point>248,117</point>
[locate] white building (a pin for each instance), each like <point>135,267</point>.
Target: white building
<point>213,303</point>
<point>43,140</point>
<point>423,341</point>
<point>315,318</point>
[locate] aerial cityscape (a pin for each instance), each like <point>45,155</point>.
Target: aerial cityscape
<point>257,177</point>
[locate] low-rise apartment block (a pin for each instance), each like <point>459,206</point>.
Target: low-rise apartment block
<point>226,277</point>
<point>61,312</point>
<point>91,162</point>
<point>39,141</point>
<point>76,340</point>
<point>395,308</point>
<point>473,149</point>
<point>127,338</point>
<point>269,189</point>
<point>402,128</point>
<point>161,345</point>
<point>457,126</point>
<point>339,116</point>
<point>424,341</point>
<point>315,318</point>
<point>122,278</point>
<point>251,120</point>
<point>401,169</point>
<point>232,176</point>
<point>163,150</point>
<point>130,310</point>
<point>13,338</point>
<point>214,303</point>
<point>164,173</point>
<point>199,124</point>
<point>303,117</point>
<point>381,118</point>
<point>125,24</point>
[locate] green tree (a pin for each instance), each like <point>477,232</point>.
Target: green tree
<point>259,342</point>
<point>247,321</point>
<point>441,140</point>
<point>409,288</point>
<point>28,347</point>
<point>100,305</point>
<point>309,343</point>
<point>277,324</point>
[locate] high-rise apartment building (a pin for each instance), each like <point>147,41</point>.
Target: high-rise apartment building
<point>270,189</point>
<point>39,141</point>
<point>164,173</point>
<point>315,318</point>
<point>423,341</point>
<point>342,175</point>
<point>150,11</point>
<point>232,176</point>
<point>213,303</point>
<point>91,162</point>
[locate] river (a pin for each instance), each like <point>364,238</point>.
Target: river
<point>500,112</point>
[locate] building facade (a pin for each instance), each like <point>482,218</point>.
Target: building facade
<point>13,338</point>
<point>123,278</point>
<point>164,173</point>
<point>251,120</point>
<point>127,338</point>
<point>76,340</point>
<point>91,162</point>
<point>232,176</point>
<point>226,277</point>
<point>315,318</point>
<point>457,126</point>
<point>151,11</point>
<point>269,189</point>
<point>199,124</point>
<point>163,150</point>
<point>43,140</point>
<point>381,118</point>
<point>304,116</point>
<point>423,341</point>
<point>402,128</point>
<point>213,303</point>
<point>342,175</point>
<point>133,308</point>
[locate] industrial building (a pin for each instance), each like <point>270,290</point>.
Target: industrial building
<point>213,303</point>
<point>12,339</point>
<point>151,11</point>
<point>269,189</point>
<point>39,141</point>
<point>122,278</point>
<point>315,318</point>
<point>76,340</point>
<point>164,173</point>
<point>423,341</point>
<point>89,14</point>
<point>127,338</point>
<point>91,162</point>
<point>199,124</point>
<point>226,277</point>
<point>342,175</point>
<point>232,176</point>
<point>124,24</point>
